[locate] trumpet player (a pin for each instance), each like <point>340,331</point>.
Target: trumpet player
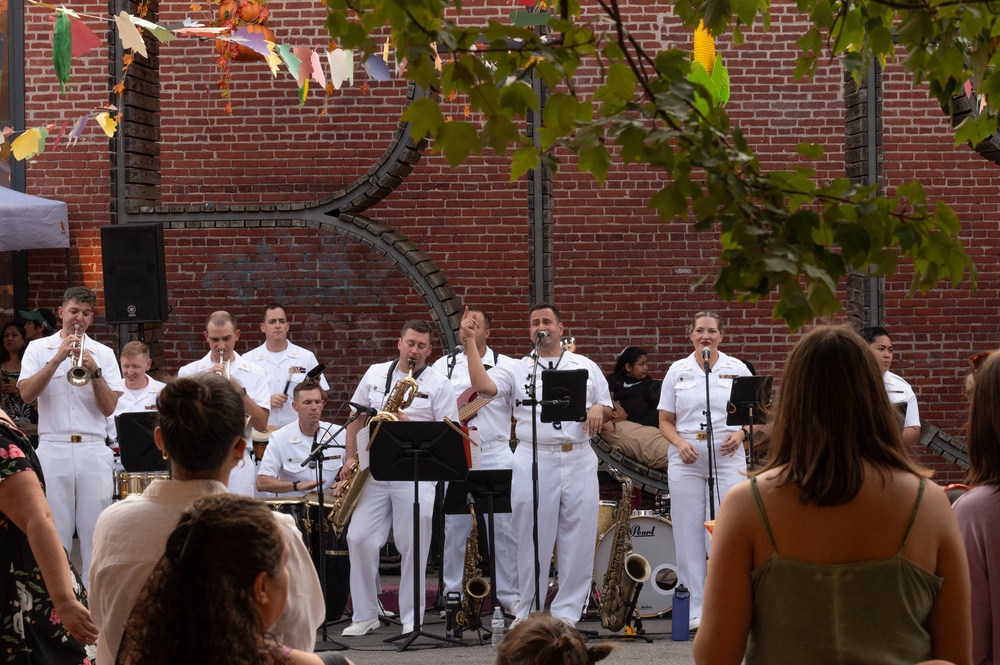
<point>250,381</point>
<point>390,503</point>
<point>72,427</point>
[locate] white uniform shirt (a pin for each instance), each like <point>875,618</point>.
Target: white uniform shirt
<point>290,364</point>
<point>683,394</point>
<point>493,419</point>
<point>434,401</point>
<point>250,376</point>
<point>511,381</point>
<point>289,446</point>
<point>130,402</point>
<point>900,391</point>
<point>62,408</point>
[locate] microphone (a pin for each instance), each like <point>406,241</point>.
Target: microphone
<point>470,501</point>
<point>541,336</point>
<point>706,353</point>
<point>457,350</point>
<point>367,410</point>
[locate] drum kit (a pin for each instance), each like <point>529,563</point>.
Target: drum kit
<point>653,538</point>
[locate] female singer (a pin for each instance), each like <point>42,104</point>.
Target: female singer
<point>838,551</point>
<point>978,510</point>
<point>682,423</point>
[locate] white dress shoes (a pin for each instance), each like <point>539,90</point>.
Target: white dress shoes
<point>407,628</point>
<point>694,623</point>
<point>359,628</point>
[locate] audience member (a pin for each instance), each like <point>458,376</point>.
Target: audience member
<point>542,639</point>
<point>200,430</point>
<point>38,323</point>
<point>633,430</point>
<point>14,344</point>
<point>838,550</point>
<point>978,511</point>
<point>222,581</point>
<point>43,619</point>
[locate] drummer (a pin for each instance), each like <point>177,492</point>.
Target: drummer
<point>281,471</point>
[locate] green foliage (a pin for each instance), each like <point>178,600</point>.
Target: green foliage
<point>779,231</point>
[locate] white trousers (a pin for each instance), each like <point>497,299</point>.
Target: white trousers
<point>383,504</point>
<point>689,509</point>
<point>79,479</point>
<point>567,516</point>
<point>456,534</point>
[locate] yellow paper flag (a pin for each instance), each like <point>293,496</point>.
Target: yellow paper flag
<point>27,145</point>
<point>107,123</point>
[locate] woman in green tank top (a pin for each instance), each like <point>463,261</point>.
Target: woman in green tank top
<point>837,551</point>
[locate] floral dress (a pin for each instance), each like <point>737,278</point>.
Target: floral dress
<point>30,630</point>
<point>13,404</point>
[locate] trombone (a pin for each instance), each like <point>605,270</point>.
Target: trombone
<point>78,375</point>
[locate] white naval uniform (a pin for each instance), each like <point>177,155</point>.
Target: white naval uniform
<point>290,364</point>
<point>131,401</point>
<point>900,392</point>
<point>78,475</point>
<point>494,424</point>
<point>567,489</point>
<point>243,478</point>
<point>287,448</point>
<point>390,503</point>
<point>683,394</point>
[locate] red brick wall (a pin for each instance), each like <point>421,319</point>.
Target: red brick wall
<point>621,276</point>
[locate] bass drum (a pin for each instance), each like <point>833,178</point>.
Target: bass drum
<point>653,538</point>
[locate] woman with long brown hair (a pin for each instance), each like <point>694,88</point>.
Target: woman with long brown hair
<point>978,510</point>
<point>838,550</point>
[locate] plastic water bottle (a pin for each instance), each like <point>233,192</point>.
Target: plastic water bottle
<point>498,626</point>
<point>680,615</point>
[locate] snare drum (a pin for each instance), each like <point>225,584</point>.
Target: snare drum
<point>136,483</point>
<point>653,538</point>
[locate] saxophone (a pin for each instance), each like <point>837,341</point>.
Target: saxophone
<point>475,586</point>
<point>402,396</point>
<point>625,568</point>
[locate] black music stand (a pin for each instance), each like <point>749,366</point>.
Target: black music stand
<point>136,444</point>
<point>490,487</point>
<point>427,451</point>
<point>749,403</point>
<point>564,395</point>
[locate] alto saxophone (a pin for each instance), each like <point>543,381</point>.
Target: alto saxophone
<point>402,396</point>
<point>625,568</point>
<point>475,586</point>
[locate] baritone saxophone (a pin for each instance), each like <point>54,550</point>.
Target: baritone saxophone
<point>402,396</point>
<point>625,568</point>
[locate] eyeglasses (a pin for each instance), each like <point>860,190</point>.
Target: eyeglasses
<point>977,360</point>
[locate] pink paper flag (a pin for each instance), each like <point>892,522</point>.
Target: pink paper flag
<point>304,56</point>
<point>84,39</point>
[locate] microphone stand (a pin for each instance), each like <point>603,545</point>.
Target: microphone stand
<point>533,402</point>
<point>710,436</point>
<point>453,358</point>
<point>316,456</point>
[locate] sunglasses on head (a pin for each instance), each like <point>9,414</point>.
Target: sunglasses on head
<point>977,360</point>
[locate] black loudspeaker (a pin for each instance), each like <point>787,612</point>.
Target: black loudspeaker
<point>135,280</point>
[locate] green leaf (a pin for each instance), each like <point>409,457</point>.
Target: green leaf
<point>425,118</point>
<point>669,203</point>
<point>457,140</point>
<point>525,159</point>
<point>811,150</point>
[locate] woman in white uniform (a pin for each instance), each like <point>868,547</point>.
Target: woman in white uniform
<point>682,423</point>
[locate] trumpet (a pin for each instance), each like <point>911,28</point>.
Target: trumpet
<point>78,375</point>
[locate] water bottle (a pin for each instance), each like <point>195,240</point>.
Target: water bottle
<point>497,625</point>
<point>680,615</point>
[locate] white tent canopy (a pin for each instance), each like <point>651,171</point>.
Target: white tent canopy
<point>30,222</point>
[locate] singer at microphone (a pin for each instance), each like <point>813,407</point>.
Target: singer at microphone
<point>277,474</point>
<point>692,384</point>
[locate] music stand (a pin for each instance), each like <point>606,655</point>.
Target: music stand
<point>749,402</point>
<point>425,451</point>
<point>490,487</point>
<point>564,395</point>
<point>139,453</point>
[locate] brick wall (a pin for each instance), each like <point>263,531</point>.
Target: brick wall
<point>620,276</point>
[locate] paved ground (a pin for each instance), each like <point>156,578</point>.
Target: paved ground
<point>370,649</point>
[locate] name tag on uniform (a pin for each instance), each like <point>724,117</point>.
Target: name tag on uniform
<point>728,376</point>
